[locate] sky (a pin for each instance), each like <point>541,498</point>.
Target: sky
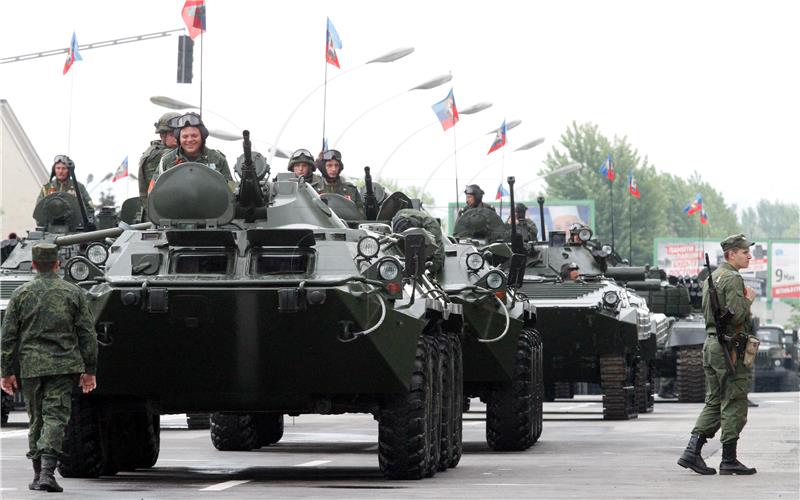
<point>709,87</point>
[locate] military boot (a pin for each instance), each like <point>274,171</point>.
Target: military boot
<point>730,465</point>
<point>37,469</point>
<point>47,481</point>
<point>692,459</point>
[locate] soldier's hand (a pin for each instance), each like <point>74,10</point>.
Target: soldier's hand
<point>88,383</point>
<point>9,384</point>
<point>750,294</point>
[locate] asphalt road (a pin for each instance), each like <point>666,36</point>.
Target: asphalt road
<point>579,456</point>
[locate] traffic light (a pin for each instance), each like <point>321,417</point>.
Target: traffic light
<point>185,58</point>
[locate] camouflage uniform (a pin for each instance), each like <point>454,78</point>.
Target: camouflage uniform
<point>418,218</point>
<point>342,187</point>
<point>467,207</point>
<point>49,330</point>
<point>210,157</point>
<point>148,164</point>
<point>527,228</point>
<point>56,186</point>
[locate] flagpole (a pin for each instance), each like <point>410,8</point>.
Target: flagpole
<point>201,75</point>
<point>611,188</point>
<point>325,90</point>
<point>502,172</point>
<point>630,229</point>
<point>455,164</point>
<point>69,119</point>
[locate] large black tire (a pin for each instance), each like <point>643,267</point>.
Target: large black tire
<point>690,381</point>
<point>435,422</point>
<point>538,385</point>
<point>403,437</point>
<point>458,397</point>
<point>269,427</point>
<point>198,421</point>
<point>233,431</point>
<point>510,406</point>
<point>616,380</point>
<point>448,409</point>
<point>7,406</point>
<point>84,450</point>
<point>135,440</point>
<point>643,387</point>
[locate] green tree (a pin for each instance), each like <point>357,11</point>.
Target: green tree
<point>772,220</point>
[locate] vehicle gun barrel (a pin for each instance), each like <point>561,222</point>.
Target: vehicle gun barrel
<point>71,239</point>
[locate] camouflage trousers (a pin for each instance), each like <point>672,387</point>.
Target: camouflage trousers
<point>726,397</point>
<point>49,402</point>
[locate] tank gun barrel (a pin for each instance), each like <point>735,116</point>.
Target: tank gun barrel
<point>71,239</point>
<point>540,201</point>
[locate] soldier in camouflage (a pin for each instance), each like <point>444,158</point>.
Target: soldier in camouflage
<point>726,396</point>
<point>330,166</point>
<point>526,227</point>
<point>301,164</point>
<point>191,134</point>
<point>48,332</point>
<point>148,163</point>
<point>474,199</point>
<point>61,182</point>
<point>409,217</point>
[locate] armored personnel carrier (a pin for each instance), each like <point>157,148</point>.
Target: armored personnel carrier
<point>258,303</point>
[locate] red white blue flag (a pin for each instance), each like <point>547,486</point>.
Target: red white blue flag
<point>501,192</point>
<point>194,15</point>
<point>607,169</point>
<point>703,216</point>
<point>122,170</point>
<point>446,111</point>
<point>633,187</point>
<point>72,54</point>
<point>499,138</point>
<point>694,206</point>
<point>332,42</point>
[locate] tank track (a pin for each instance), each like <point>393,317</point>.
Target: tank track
<point>618,392</point>
<point>690,377</point>
<point>643,387</point>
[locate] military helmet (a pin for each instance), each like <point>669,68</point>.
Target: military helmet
<point>66,160</point>
<point>333,154</point>
<point>162,125</point>
<point>302,156</point>
<point>188,120</point>
<point>520,208</point>
<point>474,190</point>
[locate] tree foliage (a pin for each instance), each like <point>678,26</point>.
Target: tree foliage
<point>775,220</point>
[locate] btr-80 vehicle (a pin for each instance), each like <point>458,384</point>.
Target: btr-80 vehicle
<point>258,303</point>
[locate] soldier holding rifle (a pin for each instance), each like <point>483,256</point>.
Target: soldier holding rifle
<point>726,308</point>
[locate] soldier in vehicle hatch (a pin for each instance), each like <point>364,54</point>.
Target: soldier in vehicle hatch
<point>331,166</point>
<point>474,199</point>
<point>61,182</point>
<point>148,163</point>
<point>302,165</point>
<point>570,271</point>
<point>525,226</point>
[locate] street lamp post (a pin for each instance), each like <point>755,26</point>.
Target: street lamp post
<point>389,57</point>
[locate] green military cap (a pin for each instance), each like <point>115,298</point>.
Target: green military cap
<point>735,241</point>
<point>45,252</point>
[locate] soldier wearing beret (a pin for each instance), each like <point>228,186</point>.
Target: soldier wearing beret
<point>48,332</point>
<point>726,396</point>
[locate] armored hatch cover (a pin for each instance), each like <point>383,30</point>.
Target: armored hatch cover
<point>58,209</point>
<point>343,207</point>
<point>190,193</point>
<point>480,223</point>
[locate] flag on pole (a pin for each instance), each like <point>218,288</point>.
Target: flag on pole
<point>694,206</point>
<point>194,15</point>
<point>72,54</point>
<point>501,192</point>
<point>499,139</point>
<point>703,216</point>
<point>607,169</point>
<point>633,187</point>
<point>332,42</point>
<point>446,111</point>
<point>122,170</point>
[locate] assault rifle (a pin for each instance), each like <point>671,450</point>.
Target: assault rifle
<point>721,320</point>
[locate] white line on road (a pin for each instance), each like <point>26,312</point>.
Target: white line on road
<point>575,407</point>
<point>313,463</point>
<point>225,485</point>
<point>509,484</point>
<point>11,434</point>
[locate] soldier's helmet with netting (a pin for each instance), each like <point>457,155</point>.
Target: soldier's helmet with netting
<point>162,125</point>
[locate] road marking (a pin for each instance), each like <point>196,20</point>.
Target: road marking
<point>575,407</point>
<point>509,484</point>
<point>225,485</point>
<point>11,434</point>
<point>8,489</point>
<point>313,463</point>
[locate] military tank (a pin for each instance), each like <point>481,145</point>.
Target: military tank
<point>256,304</point>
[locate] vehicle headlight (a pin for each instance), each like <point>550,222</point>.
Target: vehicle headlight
<point>778,362</point>
<point>494,279</point>
<point>368,247</point>
<point>388,270</point>
<point>585,234</point>
<point>78,270</point>
<point>97,254</point>
<point>610,298</point>
<point>475,261</point>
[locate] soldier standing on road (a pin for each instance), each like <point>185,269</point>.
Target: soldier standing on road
<point>148,163</point>
<point>474,199</point>
<point>61,182</point>
<point>191,134</point>
<point>726,396</point>
<point>48,330</point>
<point>302,165</point>
<point>331,167</point>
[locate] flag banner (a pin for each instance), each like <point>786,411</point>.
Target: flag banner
<point>501,192</point>
<point>122,170</point>
<point>499,139</point>
<point>72,54</point>
<point>607,169</point>
<point>694,206</point>
<point>446,111</point>
<point>633,187</point>
<point>194,15</point>
<point>703,216</point>
<point>332,42</point>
